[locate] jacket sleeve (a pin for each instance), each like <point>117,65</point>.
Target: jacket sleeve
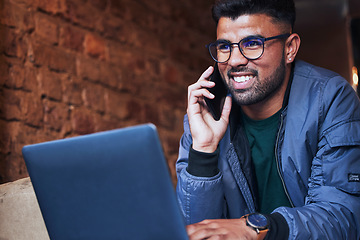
<point>332,206</point>
<point>199,197</point>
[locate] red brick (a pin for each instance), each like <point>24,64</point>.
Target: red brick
<point>158,6</point>
<point>25,3</point>
<point>16,16</point>
<point>152,113</point>
<point>116,104</point>
<point>139,13</point>
<point>88,68</point>
<point>171,74</point>
<point>99,4</point>
<point>5,136</point>
<point>31,83</point>
<point>16,76</point>
<point>113,27</point>
<point>55,114</point>
<point>83,121</point>
<point>136,63</point>
<point>4,71</point>
<point>138,38</point>
<point>106,122</point>
<point>72,88</point>
<point>12,44</point>
<point>118,8</point>
<point>177,96</point>
<point>136,110</point>
<point>81,12</point>
<point>32,109</point>
<point>133,61</point>
<point>53,6</point>
<point>94,46</point>
<point>72,37</point>
<point>51,83</point>
<point>66,129</point>
<point>120,53</point>
<point>46,135</point>
<point>11,104</point>
<point>171,141</point>
<point>13,168</point>
<point>53,57</point>
<point>112,75</point>
<point>145,40</point>
<point>154,65</point>
<point>145,86</point>
<point>46,28</point>
<point>94,96</point>
<point>128,81</point>
<point>167,116</point>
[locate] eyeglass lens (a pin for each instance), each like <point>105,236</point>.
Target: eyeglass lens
<point>251,48</point>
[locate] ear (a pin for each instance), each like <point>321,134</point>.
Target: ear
<point>292,46</point>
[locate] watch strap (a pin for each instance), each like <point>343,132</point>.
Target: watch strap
<point>261,233</point>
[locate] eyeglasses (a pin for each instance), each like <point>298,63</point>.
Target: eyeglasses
<point>251,47</point>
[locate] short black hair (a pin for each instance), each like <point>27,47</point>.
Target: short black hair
<point>279,10</point>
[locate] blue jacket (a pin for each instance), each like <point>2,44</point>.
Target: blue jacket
<point>318,156</point>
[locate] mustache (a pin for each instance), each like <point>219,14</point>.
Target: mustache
<point>242,69</point>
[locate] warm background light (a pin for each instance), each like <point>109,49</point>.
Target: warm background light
<point>355,76</point>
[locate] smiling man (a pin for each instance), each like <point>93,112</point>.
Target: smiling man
<point>278,163</point>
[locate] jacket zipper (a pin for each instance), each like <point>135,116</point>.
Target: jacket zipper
<point>278,163</point>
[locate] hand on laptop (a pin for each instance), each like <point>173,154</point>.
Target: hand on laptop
<point>228,229</point>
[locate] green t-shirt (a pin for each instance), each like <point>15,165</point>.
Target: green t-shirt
<point>262,136</point>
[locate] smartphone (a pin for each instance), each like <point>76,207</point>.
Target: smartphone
<point>220,91</point>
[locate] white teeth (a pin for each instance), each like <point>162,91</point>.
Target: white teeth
<point>242,79</point>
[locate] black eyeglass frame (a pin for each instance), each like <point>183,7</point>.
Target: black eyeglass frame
<point>263,40</point>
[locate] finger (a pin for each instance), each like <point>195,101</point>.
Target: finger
<point>198,95</point>
<point>203,81</point>
<point>226,109</point>
<point>200,233</point>
<point>201,84</point>
<point>207,223</point>
<point>207,232</point>
<point>207,73</point>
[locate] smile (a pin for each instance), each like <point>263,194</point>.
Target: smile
<point>242,79</point>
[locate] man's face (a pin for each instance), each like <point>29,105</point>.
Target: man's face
<point>253,81</point>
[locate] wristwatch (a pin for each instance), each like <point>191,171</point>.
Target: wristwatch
<point>259,223</point>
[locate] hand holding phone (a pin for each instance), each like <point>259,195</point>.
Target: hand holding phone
<point>220,91</point>
<point>207,131</point>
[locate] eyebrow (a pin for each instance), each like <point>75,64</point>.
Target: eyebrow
<point>247,37</point>
<point>254,36</point>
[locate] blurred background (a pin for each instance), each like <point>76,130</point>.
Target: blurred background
<point>73,67</point>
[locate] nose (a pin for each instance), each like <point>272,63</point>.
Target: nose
<point>237,58</point>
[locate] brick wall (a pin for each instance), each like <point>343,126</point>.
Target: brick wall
<point>72,67</point>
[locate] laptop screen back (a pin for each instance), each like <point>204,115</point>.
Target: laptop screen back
<point>108,185</point>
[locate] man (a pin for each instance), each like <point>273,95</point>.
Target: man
<point>283,160</point>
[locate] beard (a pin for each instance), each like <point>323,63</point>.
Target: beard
<point>261,89</point>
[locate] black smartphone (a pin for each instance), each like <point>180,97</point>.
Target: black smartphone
<point>220,91</point>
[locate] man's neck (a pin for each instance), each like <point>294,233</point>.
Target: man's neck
<point>260,111</point>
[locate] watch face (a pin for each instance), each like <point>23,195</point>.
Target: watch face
<point>257,220</point>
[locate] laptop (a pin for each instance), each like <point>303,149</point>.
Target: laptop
<point>108,185</point>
